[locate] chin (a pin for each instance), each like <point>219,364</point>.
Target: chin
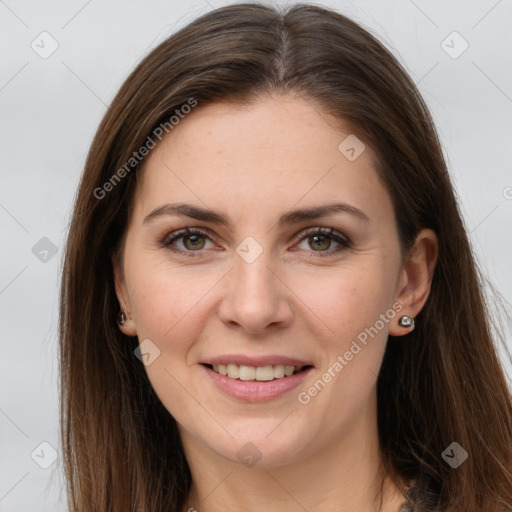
<point>261,445</point>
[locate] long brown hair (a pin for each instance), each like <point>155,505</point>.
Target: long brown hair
<point>121,447</point>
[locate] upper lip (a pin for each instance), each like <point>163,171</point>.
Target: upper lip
<point>268,360</point>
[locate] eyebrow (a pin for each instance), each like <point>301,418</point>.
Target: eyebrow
<point>292,217</point>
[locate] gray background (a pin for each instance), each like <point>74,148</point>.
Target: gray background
<point>51,108</point>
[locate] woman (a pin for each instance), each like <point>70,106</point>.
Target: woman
<point>269,300</point>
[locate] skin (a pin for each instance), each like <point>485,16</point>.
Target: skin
<point>254,163</point>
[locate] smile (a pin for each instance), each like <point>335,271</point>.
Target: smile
<point>258,373</point>
<point>249,383</point>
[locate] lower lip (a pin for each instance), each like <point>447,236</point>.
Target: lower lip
<point>253,390</point>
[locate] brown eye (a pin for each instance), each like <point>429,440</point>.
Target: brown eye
<point>187,242</point>
<point>320,242</point>
<point>192,242</point>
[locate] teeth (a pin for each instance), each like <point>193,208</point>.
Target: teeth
<point>278,371</point>
<point>260,373</point>
<point>233,371</point>
<point>264,373</point>
<point>246,372</point>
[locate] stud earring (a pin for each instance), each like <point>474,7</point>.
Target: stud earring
<point>406,321</point>
<point>120,318</point>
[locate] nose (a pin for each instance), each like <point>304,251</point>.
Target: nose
<point>256,297</point>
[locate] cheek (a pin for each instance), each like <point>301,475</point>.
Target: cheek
<point>168,308</point>
<point>168,303</point>
<point>355,303</point>
<point>346,300</point>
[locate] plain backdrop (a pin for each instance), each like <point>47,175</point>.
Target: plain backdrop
<point>62,63</point>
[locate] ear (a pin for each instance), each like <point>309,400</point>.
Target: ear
<point>415,278</point>
<point>128,327</point>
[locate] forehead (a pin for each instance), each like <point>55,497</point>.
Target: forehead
<point>278,151</point>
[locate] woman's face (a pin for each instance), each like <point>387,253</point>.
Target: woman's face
<point>255,284</point>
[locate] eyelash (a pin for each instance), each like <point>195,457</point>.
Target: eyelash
<point>329,232</point>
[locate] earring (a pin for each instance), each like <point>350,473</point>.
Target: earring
<point>406,321</point>
<point>120,318</point>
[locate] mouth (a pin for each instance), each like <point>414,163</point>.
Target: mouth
<point>265,373</point>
